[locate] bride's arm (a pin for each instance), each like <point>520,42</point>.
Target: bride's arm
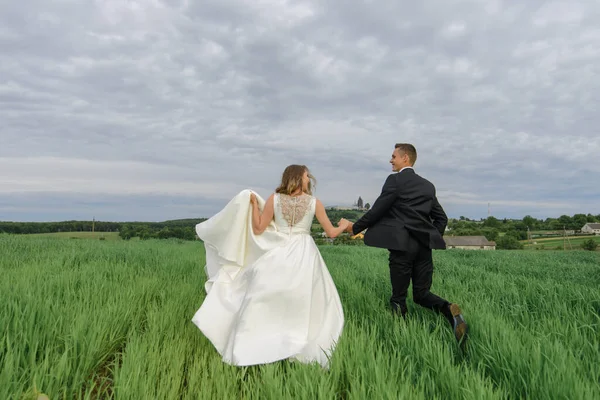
<point>260,221</point>
<point>323,219</point>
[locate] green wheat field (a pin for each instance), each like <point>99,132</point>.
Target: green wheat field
<point>86,319</point>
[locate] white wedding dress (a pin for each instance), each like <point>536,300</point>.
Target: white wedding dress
<point>270,296</point>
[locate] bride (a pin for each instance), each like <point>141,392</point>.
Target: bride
<point>269,294</point>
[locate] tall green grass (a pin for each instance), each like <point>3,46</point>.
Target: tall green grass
<point>87,319</point>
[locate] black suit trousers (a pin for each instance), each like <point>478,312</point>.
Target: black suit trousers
<point>415,263</point>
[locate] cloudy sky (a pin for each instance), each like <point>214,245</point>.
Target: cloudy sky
<point>163,109</point>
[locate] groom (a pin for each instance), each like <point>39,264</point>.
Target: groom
<point>407,219</point>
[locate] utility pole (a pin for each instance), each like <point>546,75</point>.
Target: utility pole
<point>93,224</point>
<point>566,238</point>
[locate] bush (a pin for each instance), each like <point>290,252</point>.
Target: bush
<point>508,242</point>
<point>589,244</point>
<point>520,235</point>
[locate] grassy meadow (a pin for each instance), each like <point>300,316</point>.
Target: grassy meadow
<point>85,319</point>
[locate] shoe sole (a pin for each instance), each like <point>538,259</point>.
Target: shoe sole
<point>461,329</point>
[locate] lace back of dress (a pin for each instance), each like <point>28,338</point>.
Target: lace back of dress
<point>294,208</point>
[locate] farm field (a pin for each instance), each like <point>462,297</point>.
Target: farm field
<point>84,319</point>
<point>79,235</point>
<point>573,242</point>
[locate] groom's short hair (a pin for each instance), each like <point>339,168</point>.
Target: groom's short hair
<point>408,149</point>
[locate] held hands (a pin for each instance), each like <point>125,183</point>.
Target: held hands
<point>347,225</point>
<point>343,223</point>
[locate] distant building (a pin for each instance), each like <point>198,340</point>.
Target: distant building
<point>469,243</point>
<point>591,228</point>
<point>345,208</point>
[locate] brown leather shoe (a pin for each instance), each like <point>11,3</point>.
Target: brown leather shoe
<point>461,329</point>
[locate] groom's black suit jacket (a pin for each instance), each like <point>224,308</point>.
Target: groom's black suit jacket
<point>407,206</point>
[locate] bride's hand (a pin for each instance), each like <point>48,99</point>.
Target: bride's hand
<point>346,225</point>
<point>253,199</point>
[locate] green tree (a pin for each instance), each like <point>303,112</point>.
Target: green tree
<point>554,224</point>
<point>126,232</point>
<point>164,233</point>
<point>491,234</point>
<point>565,221</point>
<point>491,222</point>
<point>579,220</point>
<point>508,242</point>
<point>531,222</point>
<point>519,235</point>
<point>520,226</point>
<point>467,232</point>
<point>144,233</point>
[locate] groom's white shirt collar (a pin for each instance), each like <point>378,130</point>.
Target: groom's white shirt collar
<point>403,168</point>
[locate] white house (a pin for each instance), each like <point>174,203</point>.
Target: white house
<point>469,243</point>
<point>591,228</point>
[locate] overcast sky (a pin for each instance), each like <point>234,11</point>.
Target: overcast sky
<point>163,109</point>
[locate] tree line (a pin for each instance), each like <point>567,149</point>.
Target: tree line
<point>520,228</point>
<point>491,227</point>
<point>55,227</point>
<point>181,228</point>
<point>574,223</point>
<point>515,230</point>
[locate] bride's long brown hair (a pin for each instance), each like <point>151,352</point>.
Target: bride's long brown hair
<point>291,180</point>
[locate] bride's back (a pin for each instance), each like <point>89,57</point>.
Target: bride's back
<point>294,214</point>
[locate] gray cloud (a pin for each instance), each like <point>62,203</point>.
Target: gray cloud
<point>170,99</point>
